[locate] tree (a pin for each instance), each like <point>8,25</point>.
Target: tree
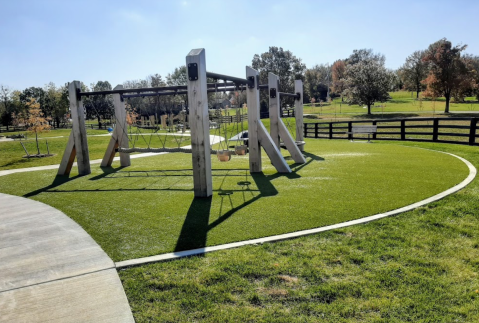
<point>367,82</point>
<point>57,101</point>
<point>360,55</point>
<point>6,105</point>
<point>36,121</point>
<point>473,64</point>
<point>317,81</point>
<point>178,77</point>
<point>338,71</point>
<point>99,106</point>
<point>414,71</point>
<point>448,71</point>
<point>282,63</point>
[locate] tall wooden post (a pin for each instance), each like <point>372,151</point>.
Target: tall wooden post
<point>119,137</point>
<point>258,136</point>
<point>199,122</point>
<point>77,145</point>
<point>274,107</point>
<point>252,99</point>
<point>298,112</point>
<point>278,129</point>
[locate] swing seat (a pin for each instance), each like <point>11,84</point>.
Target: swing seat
<point>241,150</point>
<point>223,155</point>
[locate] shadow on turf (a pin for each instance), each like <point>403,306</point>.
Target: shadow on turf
<point>195,229</point>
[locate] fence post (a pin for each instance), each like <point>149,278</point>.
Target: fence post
<point>374,133</point>
<point>403,129</point>
<point>330,130</point>
<point>305,129</point>
<point>350,129</point>
<point>435,129</point>
<point>316,130</point>
<point>472,132</point>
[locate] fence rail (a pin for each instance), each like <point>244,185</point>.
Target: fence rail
<point>445,130</point>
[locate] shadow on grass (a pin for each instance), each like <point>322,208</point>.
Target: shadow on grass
<point>195,229</point>
<point>59,180</point>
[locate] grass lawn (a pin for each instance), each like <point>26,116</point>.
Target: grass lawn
<point>401,102</point>
<point>420,266</point>
<point>148,208</point>
<point>11,152</point>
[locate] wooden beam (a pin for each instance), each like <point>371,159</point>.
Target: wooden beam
<point>274,107</point>
<point>80,143</point>
<point>199,122</point>
<point>119,137</point>
<point>252,99</point>
<point>298,112</point>
<point>68,157</point>
<point>278,128</point>
<point>258,136</point>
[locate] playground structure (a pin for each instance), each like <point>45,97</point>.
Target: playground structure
<point>197,90</point>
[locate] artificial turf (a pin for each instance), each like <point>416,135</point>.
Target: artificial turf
<point>148,208</point>
<point>419,266</point>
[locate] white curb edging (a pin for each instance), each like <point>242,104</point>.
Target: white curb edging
<point>199,251</point>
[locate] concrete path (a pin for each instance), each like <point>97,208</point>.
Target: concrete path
<point>52,270</point>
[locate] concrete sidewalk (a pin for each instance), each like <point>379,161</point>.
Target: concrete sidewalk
<point>52,270</point>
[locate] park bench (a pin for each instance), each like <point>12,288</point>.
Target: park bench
<point>369,130</point>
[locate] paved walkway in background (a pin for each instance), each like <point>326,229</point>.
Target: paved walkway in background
<point>52,270</point>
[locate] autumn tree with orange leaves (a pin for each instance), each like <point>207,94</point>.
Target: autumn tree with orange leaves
<point>37,123</point>
<point>449,74</point>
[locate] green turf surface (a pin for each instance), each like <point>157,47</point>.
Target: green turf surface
<point>419,266</point>
<point>148,208</point>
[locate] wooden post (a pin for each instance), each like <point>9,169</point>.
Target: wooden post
<point>298,112</point>
<point>403,129</point>
<point>330,130</point>
<point>274,107</point>
<point>374,124</point>
<point>119,137</point>
<point>77,145</point>
<point>350,130</point>
<point>435,129</point>
<point>163,121</point>
<point>257,134</point>
<point>472,131</point>
<point>152,120</point>
<point>277,127</point>
<point>252,99</point>
<point>316,130</point>
<point>199,122</point>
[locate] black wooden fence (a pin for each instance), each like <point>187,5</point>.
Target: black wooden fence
<point>446,130</point>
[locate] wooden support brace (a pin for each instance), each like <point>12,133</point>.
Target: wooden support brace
<point>77,143</point>
<point>278,128</point>
<point>258,136</point>
<point>119,137</point>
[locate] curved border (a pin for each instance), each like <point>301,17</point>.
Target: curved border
<point>199,251</point>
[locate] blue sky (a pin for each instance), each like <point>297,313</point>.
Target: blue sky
<point>59,41</point>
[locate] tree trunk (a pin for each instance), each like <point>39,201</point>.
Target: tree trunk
<point>448,98</point>
<point>38,147</point>
<point>99,122</point>
<point>369,108</point>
